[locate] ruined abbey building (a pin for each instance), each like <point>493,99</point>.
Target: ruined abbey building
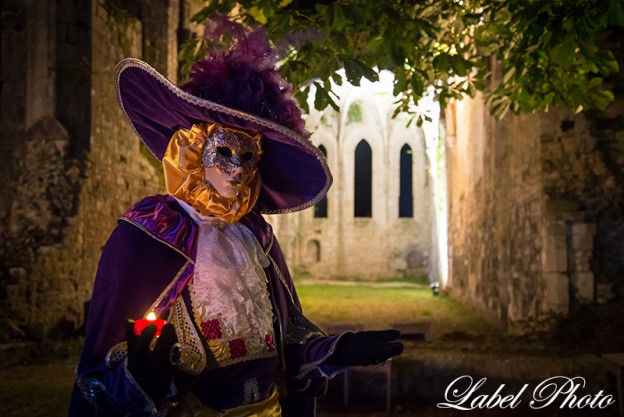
<point>376,220</point>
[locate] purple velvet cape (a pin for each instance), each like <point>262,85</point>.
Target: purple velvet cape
<point>152,243</point>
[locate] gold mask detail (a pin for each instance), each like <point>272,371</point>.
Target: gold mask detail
<point>184,170</point>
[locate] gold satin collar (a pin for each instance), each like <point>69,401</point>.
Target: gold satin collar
<point>184,177</point>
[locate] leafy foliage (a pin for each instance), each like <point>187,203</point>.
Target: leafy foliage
<point>524,54</point>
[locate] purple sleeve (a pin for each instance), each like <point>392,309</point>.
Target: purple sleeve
<point>313,355</point>
<point>134,268</point>
<point>307,347</point>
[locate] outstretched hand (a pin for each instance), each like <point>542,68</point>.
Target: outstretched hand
<point>152,369</point>
<point>366,348</point>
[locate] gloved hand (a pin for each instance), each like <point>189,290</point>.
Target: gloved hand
<point>366,348</point>
<point>152,369</point>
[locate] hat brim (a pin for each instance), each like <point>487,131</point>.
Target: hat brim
<point>294,172</point>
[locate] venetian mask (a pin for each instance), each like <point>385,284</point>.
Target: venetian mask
<point>230,158</point>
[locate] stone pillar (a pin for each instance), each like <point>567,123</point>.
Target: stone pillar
<point>41,57</point>
<point>580,252</point>
<point>160,37</point>
<point>555,258</point>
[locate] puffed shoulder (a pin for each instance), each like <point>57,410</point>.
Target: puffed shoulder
<point>162,217</point>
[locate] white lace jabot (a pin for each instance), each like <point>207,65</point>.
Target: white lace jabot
<point>229,291</point>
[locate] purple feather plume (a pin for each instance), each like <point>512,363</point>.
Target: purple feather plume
<point>245,77</point>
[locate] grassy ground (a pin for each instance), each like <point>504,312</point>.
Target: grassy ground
<point>37,389</point>
<point>379,306</point>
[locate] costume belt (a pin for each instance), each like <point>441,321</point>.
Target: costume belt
<point>191,406</point>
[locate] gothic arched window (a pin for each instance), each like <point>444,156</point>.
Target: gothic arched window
<point>363,180</point>
<point>320,209</point>
<point>406,199</point>
<point>313,254</point>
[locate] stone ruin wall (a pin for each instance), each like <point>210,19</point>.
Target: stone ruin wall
<point>535,210</point>
<point>72,164</point>
<point>494,209</point>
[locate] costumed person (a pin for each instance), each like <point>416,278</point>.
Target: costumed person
<point>233,146</point>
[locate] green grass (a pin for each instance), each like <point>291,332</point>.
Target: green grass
<point>379,306</point>
<point>302,276</point>
<point>43,390</point>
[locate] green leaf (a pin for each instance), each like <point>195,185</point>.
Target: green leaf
<point>460,66</point>
<point>356,69</point>
<point>588,49</point>
<point>441,62</point>
<point>471,90</point>
<point>565,52</point>
<point>337,78</point>
<point>594,82</point>
<point>602,98</point>
<point>508,74</point>
<point>417,85</point>
<point>352,71</point>
<point>400,83</point>
<point>606,62</point>
<point>302,98</point>
<point>321,98</point>
<point>616,13</point>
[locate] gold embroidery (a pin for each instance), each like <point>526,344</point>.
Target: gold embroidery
<point>116,354</point>
<point>193,360</point>
<point>171,284</point>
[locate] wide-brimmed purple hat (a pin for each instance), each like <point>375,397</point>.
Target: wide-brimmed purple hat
<point>294,172</point>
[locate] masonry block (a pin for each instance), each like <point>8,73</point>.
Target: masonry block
<point>583,283</point>
<point>588,229</point>
<point>582,261</point>
<point>554,253</point>
<point>557,297</point>
<point>582,242</point>
<point>556,205</point>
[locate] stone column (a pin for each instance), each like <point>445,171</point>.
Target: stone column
<point>555,266</point>
<point>580,252</point>
<point>160,37</point>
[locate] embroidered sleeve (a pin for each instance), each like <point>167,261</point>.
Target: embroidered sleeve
<point>130,261</point>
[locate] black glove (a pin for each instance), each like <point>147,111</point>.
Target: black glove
<point>152,369</point>
<point>366,348</point>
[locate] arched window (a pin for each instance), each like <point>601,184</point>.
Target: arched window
<point>320,209</point>
<point>406,199</point>
<point>313,252</point>
<point>363,180</point>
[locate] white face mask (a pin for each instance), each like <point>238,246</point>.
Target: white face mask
<point>227,183</point>
<point>230,158</point>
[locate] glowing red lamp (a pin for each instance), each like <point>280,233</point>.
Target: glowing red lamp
<point>141,324</point>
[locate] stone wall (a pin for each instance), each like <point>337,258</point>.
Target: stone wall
<point>12,99</point>
<point>534,201</point>
<point>494,210</point>
<point>73,164</point>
